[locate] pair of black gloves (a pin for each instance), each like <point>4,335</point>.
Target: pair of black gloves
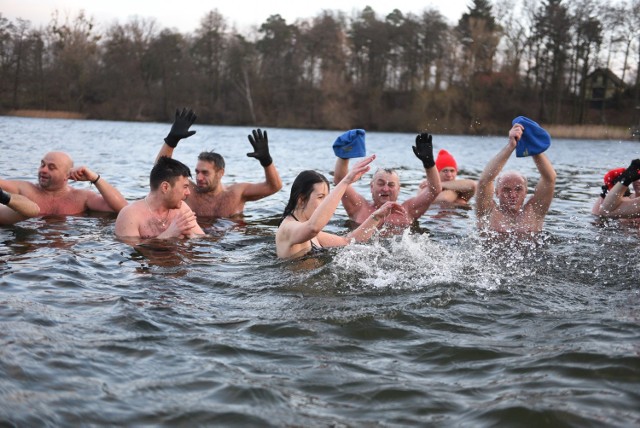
<point>185,118</point>
<point>631,174</point>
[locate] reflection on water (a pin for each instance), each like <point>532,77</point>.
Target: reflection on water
<point>435,326</point>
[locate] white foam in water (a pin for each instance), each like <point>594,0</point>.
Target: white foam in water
<point>410,261</point>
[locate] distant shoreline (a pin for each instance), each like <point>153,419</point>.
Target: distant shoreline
<point>47,114</point>
<point>576,132</point>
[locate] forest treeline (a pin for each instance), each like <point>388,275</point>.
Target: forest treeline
<point>399,72</point>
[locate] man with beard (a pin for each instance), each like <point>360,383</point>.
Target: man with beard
<point>209,197</point>
<point>511,214</point>
<point>161,214</point>
<point>53,194</point>
<point>385,186</point>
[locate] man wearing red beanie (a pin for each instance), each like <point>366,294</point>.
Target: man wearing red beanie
<point>455,192</point>
<point>616,204</point>
<point>610,179</point>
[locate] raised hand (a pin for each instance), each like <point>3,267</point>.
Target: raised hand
<point>424,150</point>
<point>180,128</point>
<point>82,173</point>
<point>515,133</point>
<point>388,208</point>
<point>631,174</point>
<point>359,169</point>
<point>260,143</point>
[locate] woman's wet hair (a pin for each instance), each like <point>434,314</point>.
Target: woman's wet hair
<point>167,169</point>
<point>216,159</point>
<point>302,188</point>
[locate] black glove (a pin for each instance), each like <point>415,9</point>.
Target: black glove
<point>5,197</point>
<point>605,190</point>
<point>424,150</point>
<point>180,128</point>
<point>631,174</point>
<point>260,144</point>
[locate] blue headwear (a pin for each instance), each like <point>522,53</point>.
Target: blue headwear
<point>350,144</point>
<point>534,140</point>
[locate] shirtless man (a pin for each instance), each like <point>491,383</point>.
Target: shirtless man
<point>455,192</point>
<point>161,214</point>
<point>511,214</point>
<point>209,196</point>
<point>385,186</point>
<point>15,208</point>
<point>53,194</point>
<point>615,204</point>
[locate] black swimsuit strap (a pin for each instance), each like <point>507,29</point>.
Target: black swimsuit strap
<point>313,245</point>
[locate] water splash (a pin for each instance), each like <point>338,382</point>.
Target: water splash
<point>413,261</point>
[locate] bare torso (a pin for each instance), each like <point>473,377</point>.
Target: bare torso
<point>68,201</point>
<point>149,224</point>
<point>227,203</point>
<point>522,221</point>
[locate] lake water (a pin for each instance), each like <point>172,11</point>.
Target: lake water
<point>430,328</point>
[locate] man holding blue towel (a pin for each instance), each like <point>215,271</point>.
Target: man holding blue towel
<point>385,184</point>
<point>511,214</point>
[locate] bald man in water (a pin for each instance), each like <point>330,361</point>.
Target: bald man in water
<point>53,194</point>
<point>511,214</point>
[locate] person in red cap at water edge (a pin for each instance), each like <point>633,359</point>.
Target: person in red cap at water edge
<point>615,204</point>
<point>511,214</point>
<point>455,192</point>
<point>385,183</point>
<point>610,179</point>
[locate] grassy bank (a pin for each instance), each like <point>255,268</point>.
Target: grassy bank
<point>589,132</point>
<point>49,114</point>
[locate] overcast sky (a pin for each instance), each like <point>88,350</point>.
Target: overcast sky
<point>185,15</point>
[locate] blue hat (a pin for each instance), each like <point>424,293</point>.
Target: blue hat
<point>350,144</point>
<point>534,140</point>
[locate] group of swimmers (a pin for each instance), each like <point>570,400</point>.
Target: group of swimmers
<point>174,202</point>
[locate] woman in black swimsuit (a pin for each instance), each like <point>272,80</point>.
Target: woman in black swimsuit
<point>310,208</point>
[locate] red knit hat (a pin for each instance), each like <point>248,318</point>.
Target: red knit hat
<point>610,176</point>
<point>445,160</point>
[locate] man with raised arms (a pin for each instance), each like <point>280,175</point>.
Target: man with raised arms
<point>385,186</point>
<point>161,214</point>
<point>53,194</point>
<point>615,204</point>
<point>511,214</point>
<point>209,197</point>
